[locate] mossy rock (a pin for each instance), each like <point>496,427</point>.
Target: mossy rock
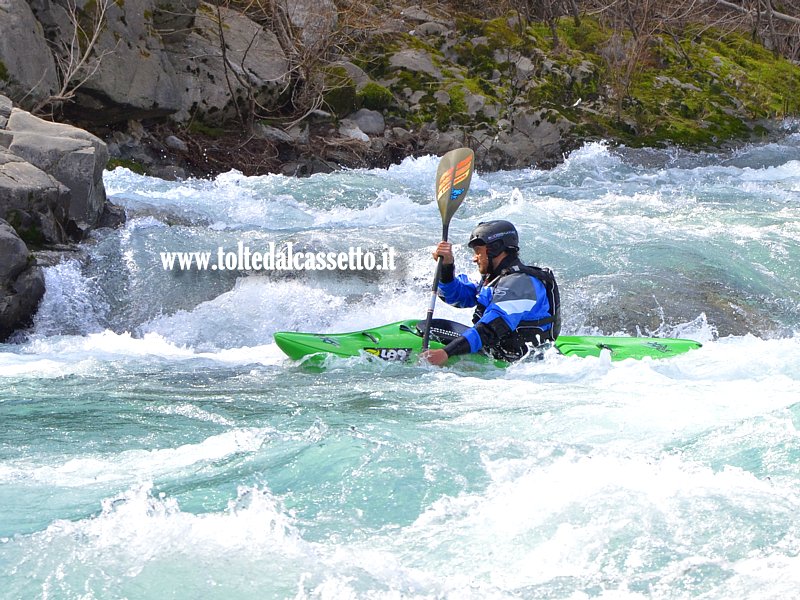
<point>131,165</point>
<point>375,97</point>
<point>201,128</point>
<point>26,230</point>
<point>455,111</point>
<point>341,95</point>
<point>4,76</point>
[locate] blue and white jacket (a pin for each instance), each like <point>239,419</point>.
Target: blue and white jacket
<point>510,309</point>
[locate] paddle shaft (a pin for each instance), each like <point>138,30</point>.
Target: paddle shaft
<point>426,337</point>
<point>452,182</point>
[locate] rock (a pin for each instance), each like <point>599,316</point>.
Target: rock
<point>32,201</point>
<point>165,172</point>
<point>442,97</point>
<point>416,61</point>
<point>5,112</point>
<point>414,97</point>
<point>272,134</point>
<point>440,143</point>
<point>30,74</point>
<point>525,68</point>
<point>73,157</point>
<point>432,28</point>
<point>583,72</point>
<point>350,129</point>
<point>354,72</point>
<point>174,19</point>
<point>402,136</point>
<point>254,55</point>
<point>369,121</point>
<point>534,136</point>
<point>419,14</point>
<point>21,282</point>
<point>316,20</point>
<point>133,75</point>
<point>662,80</point>
<point>113,217</point>
<point>175,143</point>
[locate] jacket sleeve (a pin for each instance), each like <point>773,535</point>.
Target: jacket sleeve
<point>459,292</point>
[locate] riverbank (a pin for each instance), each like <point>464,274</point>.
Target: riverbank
<point>437,82</point>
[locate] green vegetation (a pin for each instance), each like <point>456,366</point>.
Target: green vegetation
<point>131,165</point>
<point>4,76</point>
<point>340,91</point>
<point>697,88</point>
<point>30,234</point>
<point>375,97</point>
<point>198,127</point>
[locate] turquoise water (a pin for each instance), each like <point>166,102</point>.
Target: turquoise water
<point>157,444</point>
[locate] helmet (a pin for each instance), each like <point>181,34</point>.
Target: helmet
<point>497,235</point>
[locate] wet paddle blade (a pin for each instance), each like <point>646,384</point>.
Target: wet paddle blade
<point>452,181</point>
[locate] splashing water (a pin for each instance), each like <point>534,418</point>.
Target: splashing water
<point>156,443</point>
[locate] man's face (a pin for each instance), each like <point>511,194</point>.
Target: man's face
<point>481,259</point>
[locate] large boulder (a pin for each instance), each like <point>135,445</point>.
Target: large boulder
<point>256,64</point>
<point>531,137</point>
<point>29,74</point>
<point>21,282</point>
<point>32,201</point>
<point>72,156</point>
<point>132,76</point>
<point>174,19</point>
<point>316,20</point>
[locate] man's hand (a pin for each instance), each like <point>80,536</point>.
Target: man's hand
<point>445,250</point>
<point>436,357</point>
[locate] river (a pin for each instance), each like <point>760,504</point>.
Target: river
<point>156,443</point>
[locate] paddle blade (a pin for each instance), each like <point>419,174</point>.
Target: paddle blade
<point>452,181</point>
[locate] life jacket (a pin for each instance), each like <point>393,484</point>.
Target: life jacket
<point>517,343</point>
<point>548,279</point>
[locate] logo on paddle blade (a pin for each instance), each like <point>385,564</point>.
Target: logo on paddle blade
<point>445,182</point>
<point>462,170</point>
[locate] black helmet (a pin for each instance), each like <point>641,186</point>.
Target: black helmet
<point>497,235</point>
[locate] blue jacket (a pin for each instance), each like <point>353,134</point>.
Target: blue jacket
<point>513,299</point>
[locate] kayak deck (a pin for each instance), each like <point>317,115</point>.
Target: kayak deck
<point>402,340</point>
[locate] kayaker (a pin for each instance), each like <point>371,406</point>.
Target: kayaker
<point>517,307</point>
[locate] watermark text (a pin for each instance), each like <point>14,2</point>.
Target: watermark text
<point>284,258</point>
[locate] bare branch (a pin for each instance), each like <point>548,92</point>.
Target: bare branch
<point>77,59</point>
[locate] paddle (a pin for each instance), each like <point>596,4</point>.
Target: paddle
<point>452,182</point>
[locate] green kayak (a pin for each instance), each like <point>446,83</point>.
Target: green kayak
<point>402,341</point>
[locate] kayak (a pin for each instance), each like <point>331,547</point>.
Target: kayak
<point>402,341</point>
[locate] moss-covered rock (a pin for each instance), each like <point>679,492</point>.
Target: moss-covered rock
<point>129,164</point>
<point>341,94</point>
<point>375,96</point>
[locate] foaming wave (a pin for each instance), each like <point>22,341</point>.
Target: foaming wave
<point>140,538</point>
<point>387,209</point>
<point>138,465</point>
<point>72,304</point>
<point>99,353</point>
<point>248,315</point>
<point>551,523</point>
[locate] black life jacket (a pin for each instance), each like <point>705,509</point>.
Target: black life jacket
<point>548,279</point>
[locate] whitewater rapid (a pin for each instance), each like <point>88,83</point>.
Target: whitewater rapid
<point>157,443</point>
